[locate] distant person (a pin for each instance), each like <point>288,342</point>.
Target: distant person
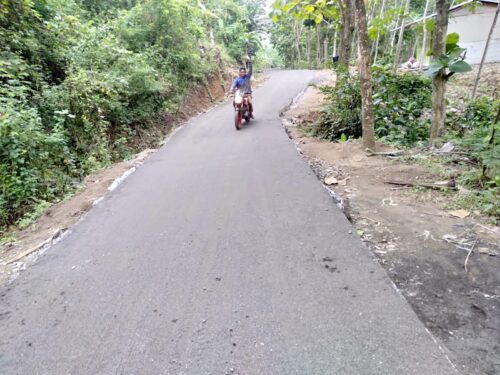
<point>412,63</point>
<point>335,59</point>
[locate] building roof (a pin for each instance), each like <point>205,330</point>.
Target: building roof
<point>452,9</point>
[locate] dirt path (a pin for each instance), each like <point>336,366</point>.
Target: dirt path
<point>421,243</point>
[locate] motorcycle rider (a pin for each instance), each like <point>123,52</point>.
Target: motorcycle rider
<point>243,83</point>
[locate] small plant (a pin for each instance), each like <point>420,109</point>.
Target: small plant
<point>482,138</point>
<point>342,114</point>
<point>452,60</point>
<point>8,239</point>
<point>30,217</point>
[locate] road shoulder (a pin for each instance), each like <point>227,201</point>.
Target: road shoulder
<point>420,242</point>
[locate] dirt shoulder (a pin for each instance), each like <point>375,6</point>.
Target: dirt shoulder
<point>22,247</point>
<point>418,237</point>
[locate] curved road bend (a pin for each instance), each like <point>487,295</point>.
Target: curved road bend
<point>211,259</point>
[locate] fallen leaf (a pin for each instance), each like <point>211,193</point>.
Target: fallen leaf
<point>360,232</point>
<point>330,180</point>
<point>462,214</point>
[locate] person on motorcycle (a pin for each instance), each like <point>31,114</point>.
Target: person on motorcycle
<point>243,83</point>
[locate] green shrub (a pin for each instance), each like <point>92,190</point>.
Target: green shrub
<point>107,90</point>
<point>342,113</point>
<point>400,101</point>
<point>481,139</point>
<point>35,165</point>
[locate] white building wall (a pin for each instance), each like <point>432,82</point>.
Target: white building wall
<point>473,29</point>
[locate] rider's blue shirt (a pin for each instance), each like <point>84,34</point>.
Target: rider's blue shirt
<point>243,83</point>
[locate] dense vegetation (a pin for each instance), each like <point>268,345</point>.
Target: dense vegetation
<point>80,78</point>
<point>308,33</point>
<point>404,108</point>
<point>402,105</point>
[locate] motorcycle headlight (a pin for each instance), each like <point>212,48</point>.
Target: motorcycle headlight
<point>238,99</point>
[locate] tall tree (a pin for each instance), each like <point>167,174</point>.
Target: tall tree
<point>318,47</point>
<point>382,8</point>
<point>325,50</point>
<point>439,80</point>
<point>335,43</point>
<point>365,73</point>
<point>346,38</point>
<point>424,39</point>
<point>401,34</point>
<point>296,26</point>
<point>394,31</point>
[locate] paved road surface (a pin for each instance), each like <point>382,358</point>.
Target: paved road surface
<point>211,259</point>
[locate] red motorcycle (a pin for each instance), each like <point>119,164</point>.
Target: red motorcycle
<point>241,109</point>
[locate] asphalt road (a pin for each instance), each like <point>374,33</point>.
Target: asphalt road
<point>212,259</point>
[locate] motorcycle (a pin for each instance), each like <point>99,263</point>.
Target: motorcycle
<point>241,109</point>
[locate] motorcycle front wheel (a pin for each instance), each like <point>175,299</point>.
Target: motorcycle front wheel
<point>237,120</point>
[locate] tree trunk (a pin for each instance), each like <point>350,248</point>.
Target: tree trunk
<point>365,74</point>
<point>308,47</point>
<point>378,34</point>
<point>393,34</point>
<point>401,34</point>
<point>424,40</point>
<point>334,44</point>
<point>318,48</point>
<point>347,32</point>
<point>376,48</point>
<point>354,43</point>
<point>439,81</point>
<point>297,41</point>
<point>413,51</point>
<point>325,50</point>
<point>483,58</point>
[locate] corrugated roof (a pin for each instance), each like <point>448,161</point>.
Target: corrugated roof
<point>452,8</point>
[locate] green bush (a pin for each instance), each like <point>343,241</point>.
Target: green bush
<point>481,139</point>
<point>400,101</point>
<point>342,113</point>
<point>35,165</point>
